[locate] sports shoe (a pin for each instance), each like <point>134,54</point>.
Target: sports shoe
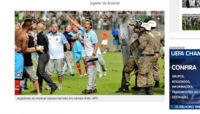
<point>53,89</point>
<point>122,90</point>
<point>94,91</point>
<point>85,91</point>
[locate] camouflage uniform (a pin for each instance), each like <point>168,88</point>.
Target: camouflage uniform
<point>128,68</point>
<point>145,77</point>
<point>130,62</point>
<point>157,37</point>
<point>131,65</point>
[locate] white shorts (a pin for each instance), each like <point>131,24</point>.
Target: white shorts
<point>104,42</point>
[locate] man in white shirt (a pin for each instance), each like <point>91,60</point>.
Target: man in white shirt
<point>56,52</point>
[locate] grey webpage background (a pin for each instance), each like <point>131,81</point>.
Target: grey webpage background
<point>174,15</point>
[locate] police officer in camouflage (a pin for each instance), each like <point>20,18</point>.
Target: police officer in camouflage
<point>158,37</point>
<point>146,50</point>
<point>131,64</point>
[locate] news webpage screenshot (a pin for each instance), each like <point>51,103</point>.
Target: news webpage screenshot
<point>100,56</point>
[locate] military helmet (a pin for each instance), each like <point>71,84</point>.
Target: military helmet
<point>152,23</point>
<point>146,26</point>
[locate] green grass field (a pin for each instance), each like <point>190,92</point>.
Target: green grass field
<point>107,85</point>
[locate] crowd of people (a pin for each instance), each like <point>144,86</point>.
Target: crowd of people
<point>191,3</point>
<point>60,39</point>
<point>191,22</point>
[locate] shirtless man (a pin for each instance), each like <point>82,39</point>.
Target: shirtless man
<point>21,46</point>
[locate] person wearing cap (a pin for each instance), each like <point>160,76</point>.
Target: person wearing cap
<point>145,48</point>
<point>131,65</point>
<point>158,38</point>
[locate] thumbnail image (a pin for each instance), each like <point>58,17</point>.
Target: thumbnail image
<point>191,22</point>
<point>191,3</point>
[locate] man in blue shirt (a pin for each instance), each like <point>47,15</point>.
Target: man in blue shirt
<point>77,49</point>
<point>68,57</point>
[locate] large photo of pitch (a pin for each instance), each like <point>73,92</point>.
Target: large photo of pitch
<point>191,22</point>
<point>89,52</point>
<point>191,3</point>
